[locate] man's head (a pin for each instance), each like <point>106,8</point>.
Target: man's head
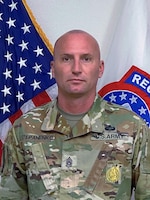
<point>77,65</point>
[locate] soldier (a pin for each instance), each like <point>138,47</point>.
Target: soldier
<point>78,146</point>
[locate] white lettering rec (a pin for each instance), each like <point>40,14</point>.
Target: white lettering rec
<point>142,82</point>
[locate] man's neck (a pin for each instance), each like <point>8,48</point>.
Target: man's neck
<point>75,105</point>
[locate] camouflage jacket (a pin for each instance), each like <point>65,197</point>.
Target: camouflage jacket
<point>102,157</point>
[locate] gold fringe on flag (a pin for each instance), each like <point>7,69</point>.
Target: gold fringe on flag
<point>38,28</point>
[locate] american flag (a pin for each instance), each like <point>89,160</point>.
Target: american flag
<point>25,75</point>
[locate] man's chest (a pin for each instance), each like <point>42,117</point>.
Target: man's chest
<point>94,165</point>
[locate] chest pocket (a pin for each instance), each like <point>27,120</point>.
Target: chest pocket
<point>110,175</point>
<point>43,167</point>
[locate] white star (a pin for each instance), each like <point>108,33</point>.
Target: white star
<point>7,73</point>
<point>50,74</point>
<point>6,90</point>
<point>20,79</point>
<point>38,51</point>
<point>112,98</point>
<point>5,108</point>
<point>1,1</point>
<point>22,62</point>
<point>8,56</point>
<point>13,5</point>
<point>142,111</point>
<point>148,124</point>
<point>26,28</point>
<point>37,68</point>
<point>123,96</point>
<point>23,45</point>
<point>1,16</point>
<point>20,96</point>
<point>11,22</point>
<point>9,40</point>
<point>36,85</point>
<point>133,99</point>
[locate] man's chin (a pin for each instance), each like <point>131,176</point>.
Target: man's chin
<point>77,94</point>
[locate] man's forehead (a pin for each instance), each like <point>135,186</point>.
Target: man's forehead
<point>77,37</point>
<point>72,42</point>
<point>79,54</point>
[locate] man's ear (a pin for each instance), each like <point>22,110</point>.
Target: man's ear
<point>101,68</point>
<point>52,68</point>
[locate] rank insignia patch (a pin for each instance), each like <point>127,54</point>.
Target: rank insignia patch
<point>69,162</point>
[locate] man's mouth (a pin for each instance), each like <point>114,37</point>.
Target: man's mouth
<point>75,80</point>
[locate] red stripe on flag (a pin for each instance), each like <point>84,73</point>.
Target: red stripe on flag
<point>15,116</point>
<point>41,98</point>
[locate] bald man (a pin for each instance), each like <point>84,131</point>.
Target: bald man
<point>77,147</point>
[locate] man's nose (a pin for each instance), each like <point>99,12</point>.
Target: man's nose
<point>76,67</point>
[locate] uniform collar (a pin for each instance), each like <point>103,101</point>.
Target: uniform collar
<point>91,122</point>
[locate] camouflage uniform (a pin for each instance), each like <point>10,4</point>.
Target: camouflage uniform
<point>101,157</point>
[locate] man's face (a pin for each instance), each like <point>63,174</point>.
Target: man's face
<point>76,66</point>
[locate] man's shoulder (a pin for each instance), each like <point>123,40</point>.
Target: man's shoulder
<point>35,113</point>
<point>116,110</point>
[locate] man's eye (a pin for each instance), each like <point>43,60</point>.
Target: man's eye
<point>87,59</point>
<point>66,59</point>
